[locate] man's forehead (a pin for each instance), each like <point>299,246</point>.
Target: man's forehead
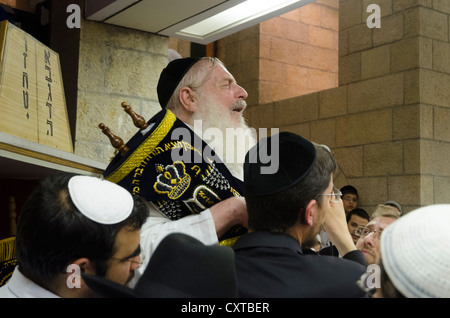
<point>380,222</point>
<point>220,73</point>
<point>357,218</point>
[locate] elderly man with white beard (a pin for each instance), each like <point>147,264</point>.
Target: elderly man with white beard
<point>183,163</point>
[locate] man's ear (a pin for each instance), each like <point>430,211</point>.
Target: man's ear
<point>187,99</point>
<point>310,212</point>
<point>74,280</point>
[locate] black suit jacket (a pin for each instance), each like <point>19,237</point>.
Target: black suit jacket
<point>274,265</point>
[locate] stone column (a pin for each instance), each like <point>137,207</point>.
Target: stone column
<point>397,80</point>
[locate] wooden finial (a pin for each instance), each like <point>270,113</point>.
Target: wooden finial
<point>138,120</point>
<point>116,141</point>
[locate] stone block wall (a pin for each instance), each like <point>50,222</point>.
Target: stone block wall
<point>387,122</point>
<point>287,56</point>
<point>115,65</point>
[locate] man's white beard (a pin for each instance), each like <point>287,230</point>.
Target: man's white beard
<point>232,151</point>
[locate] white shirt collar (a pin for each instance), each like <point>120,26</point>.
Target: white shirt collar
<point>19,286</point>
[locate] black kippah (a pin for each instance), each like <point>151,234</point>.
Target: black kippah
<point>295,157</point>
<point>171,76</point>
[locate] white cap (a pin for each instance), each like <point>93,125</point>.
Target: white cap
<point>415,251</point>
<point>100,200</point>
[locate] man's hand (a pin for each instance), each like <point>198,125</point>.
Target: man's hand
<point>336,227</point>
<point>228,213</point>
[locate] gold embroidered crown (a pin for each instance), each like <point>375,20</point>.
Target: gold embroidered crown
<point>172,179</point>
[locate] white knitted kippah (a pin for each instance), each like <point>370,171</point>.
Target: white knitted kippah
<point>415,252</point>
<point>100,200</point>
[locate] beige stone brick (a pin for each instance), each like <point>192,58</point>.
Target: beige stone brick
<point>265,92</point>
<point>407,189</point>
<point>271,70</point>
<point>343,43</point>
<point>323,37</point>
<point>442,123</point>
<point>376,62</point>
<point>249,50</point>
<point>371,191</point>
<point>413,153</point>
<point>412,86</point>
<point>333,102</point>
<point>148,109</point>
<point>440,151</point>
<point>405,54</point>
<point>92,66</point>
<point>296,110</point>
<point>350,160</point>
<point>329,18</point>
<point>359,38</point>
<point>349,68</point>
<point>297,76</point>
<point>319,80</point>
<point>324,132</point>
<point>350,13</point>
<point>434,88</point>
<point>296,31</point>
<point>441,187</point>
<point>264,46</point>
<point>260,116</point>
<point>284,51</point>
<point>246,72</point>
<point>94,108</point>
<point>364,128</point>
<point>310,14</point>
<point>433,24</point>
<point>272,27</point>
<point>442,5</point>
<point>412,22</point>
<point>406,122</point>
<point>391,30</point>
<point>303,129</point>
<point>95,151</point>
<point>383,159</point>
<point>317,58</point>
<point>375,93</point>
<point>142,74</point>
<point>425,124</point>
<point>427,189</point>
<point>441,56</point>
<point>400,5</point>
<point>229,54</point>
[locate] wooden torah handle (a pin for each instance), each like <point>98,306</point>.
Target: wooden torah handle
<point>116,141</point>
<point>138,120</point>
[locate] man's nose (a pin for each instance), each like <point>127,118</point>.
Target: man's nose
<point>241,92</point>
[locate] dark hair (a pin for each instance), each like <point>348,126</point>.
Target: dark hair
<point>387,287</point>
<point>359,212</point>
<point>52,233</point>
<point>349,189</point>
<point>278,212</point>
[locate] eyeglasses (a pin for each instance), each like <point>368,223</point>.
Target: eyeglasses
<point>348,199</point>
<point>335,195</point>
<point>363,231</point>
<point>131,259</point>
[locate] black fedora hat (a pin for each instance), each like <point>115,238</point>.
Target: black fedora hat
<point>295,156</point>
<point>180,267</point>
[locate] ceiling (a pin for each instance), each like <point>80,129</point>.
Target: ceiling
<point>172,17</point>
